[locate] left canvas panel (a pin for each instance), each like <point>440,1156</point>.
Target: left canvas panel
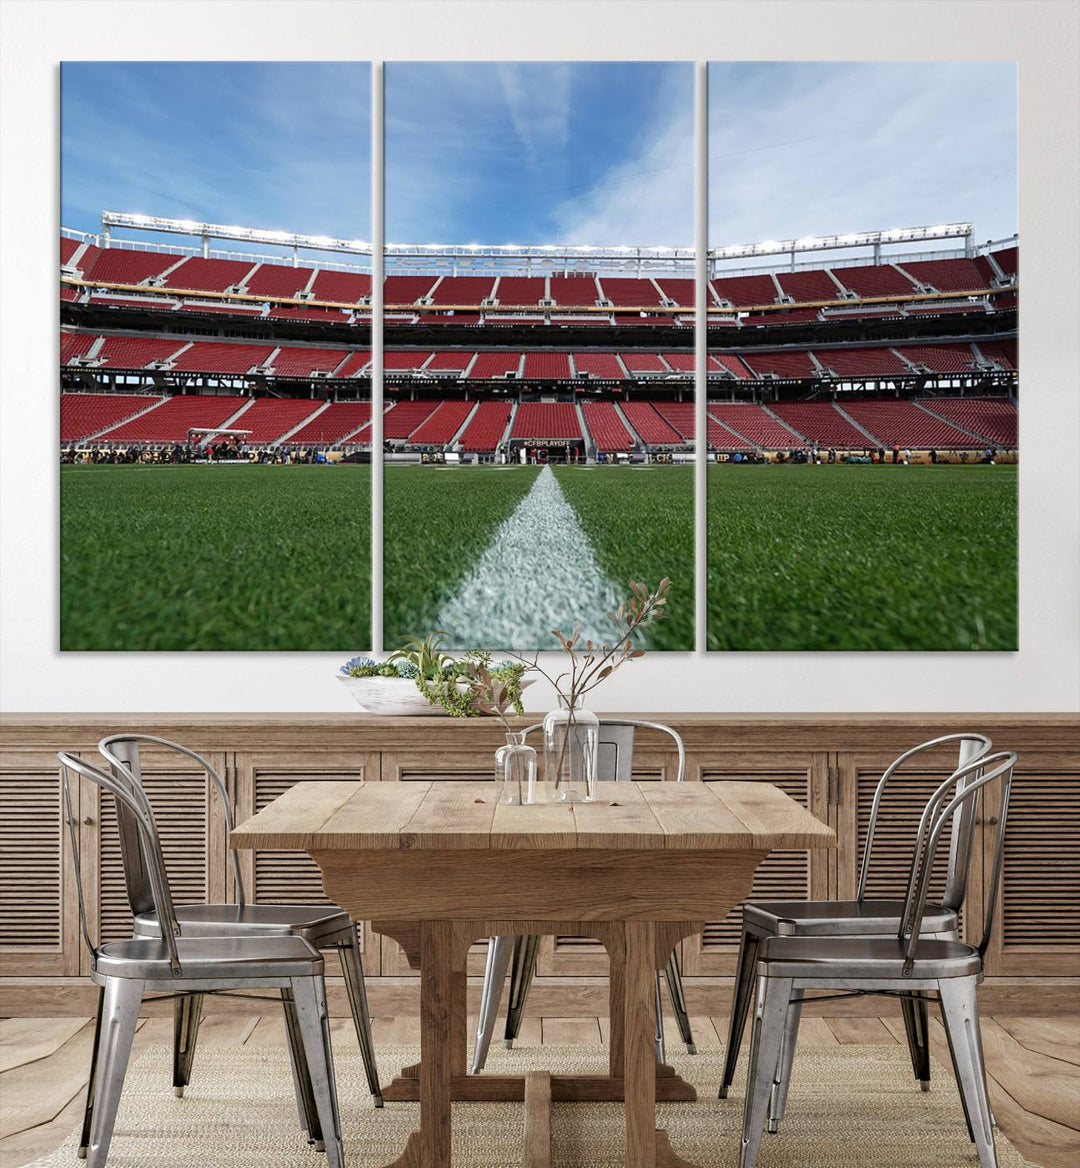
<point>215,330</point>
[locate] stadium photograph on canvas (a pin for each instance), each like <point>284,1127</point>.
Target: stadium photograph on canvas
<point>538,341</point>
<point>862,367</point>
<point>215,330</point>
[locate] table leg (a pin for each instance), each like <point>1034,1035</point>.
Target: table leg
<point>639,1051</point>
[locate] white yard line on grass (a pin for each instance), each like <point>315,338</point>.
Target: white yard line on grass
<point>539,572</point>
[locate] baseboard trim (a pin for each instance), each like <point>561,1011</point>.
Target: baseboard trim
<point>565,997</point>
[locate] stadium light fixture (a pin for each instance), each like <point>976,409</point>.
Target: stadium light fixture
<point>234,232</point>
<point>851,239</point>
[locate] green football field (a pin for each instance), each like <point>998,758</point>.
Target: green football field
<point>215,557</point>
<point>278,558</point>
<point>438,520</point>
<point>862,557</point>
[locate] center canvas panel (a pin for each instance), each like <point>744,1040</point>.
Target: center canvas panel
<point>539,417</point>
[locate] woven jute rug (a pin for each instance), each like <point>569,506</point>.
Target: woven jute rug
<point>849,1107</point>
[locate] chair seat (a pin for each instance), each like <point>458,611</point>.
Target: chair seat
<point>310,921</point>
<point>874,958</point>
<point>211,957</point>
<point>839,918</point>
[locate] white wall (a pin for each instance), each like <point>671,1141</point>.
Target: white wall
<point>1043,36</point>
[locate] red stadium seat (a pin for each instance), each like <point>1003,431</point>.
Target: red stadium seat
<point>744,291</point>
<point>222,357</point>
<point>338,422</point>
<point>599,365</point>
<point>521,291</point>
<point>176,417</point>
<point>120,266</point>
<point>606,427</point>
<point>822,422</point>
<point>208,275</point>
<point>406,416</point>
<point>545,366</point>
<point>269,418</point>
<point>940,358</point>
<point>809,285</point>
<point>303,362</point>
<point>875,280</point>
<point>995,418</point>
<point>341,287</point>
<point>752,422</point>
<point>650,426</point>
<point>494,365</point>
<point>574,291</point>
<point>630,293</point>
<point>484,433</point>
<point>83,414</point>
<point>546,420</point>
<point>439,428</point>
<point>783,363</point>
<point>903,423</point>
<point>278,280</point>
<point>470,291</point>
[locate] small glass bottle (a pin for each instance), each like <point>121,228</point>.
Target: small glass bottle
<point>571,739</point>
<point>515,770</point>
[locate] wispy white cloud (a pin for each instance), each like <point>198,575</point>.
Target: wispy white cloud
<point>816,148</point>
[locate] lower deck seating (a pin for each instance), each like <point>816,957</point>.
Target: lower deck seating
<point>651,428</point>
<point>542,420</point>
<point>822,423</point>
<point>337,422</point>
<point>487,427</point>
<point>271,417</point>
<point>897,422</point>
<point>606,427</point>
<point>83,414</point>
<point>679,416</point>
<point>405,416</point>
<point>721,438</point>
<point>994,418</point>
<point>750,421</point>
<point>442,424</point>
<point>176,417</point>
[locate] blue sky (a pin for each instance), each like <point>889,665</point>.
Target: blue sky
<point>598,153</point>
<point>278,145</point>
<point>822,148</point>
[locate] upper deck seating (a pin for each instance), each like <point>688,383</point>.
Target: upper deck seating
<point>574,291</point>
<point>341,287</point>
<point>470,291</point>
<point>875,280</point>
<point>485,431</point>
<point>680,290</point>
<point>521,291</point>
<point>625,292</point>
<point>958,275</point>
<point>176,417</point>
<point>201,274</point>
<point>606,427</point>
<point>406,289</point>
<point>546,420</point>
<point>119,266</point>
<point>808,285</point>
<point>744,291</point>
<point>278,280</point>
<point>83,414</point>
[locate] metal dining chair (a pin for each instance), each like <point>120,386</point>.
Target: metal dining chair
<point>323,926</point>
<point>862,916</point>
<point>912,962</point>
<point>170,964</point>
<point>615,756</point>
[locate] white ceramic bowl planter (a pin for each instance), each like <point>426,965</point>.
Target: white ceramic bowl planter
<point>395,696</point>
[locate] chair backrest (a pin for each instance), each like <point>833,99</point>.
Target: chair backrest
<point>121,751</point>
<point>132,798</point>
<point>961,793</point>
<point>971,747</point>
<point>615,747</point>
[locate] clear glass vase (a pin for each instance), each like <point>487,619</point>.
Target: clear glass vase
<point>571,736</point>
<point>515,771</point>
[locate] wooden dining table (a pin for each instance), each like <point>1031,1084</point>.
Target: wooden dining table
<point>440,865</point>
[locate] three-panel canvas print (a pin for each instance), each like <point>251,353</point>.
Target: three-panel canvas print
<point>522,405</point>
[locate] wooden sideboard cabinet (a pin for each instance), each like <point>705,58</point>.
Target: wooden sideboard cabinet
<point>829,763</point>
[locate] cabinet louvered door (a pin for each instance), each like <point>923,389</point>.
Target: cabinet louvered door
<point>787,875</point>
<point>192,832</point>
<point>585,956</point>
<point>292,877</point>
<point>1037,923</point>
<point>39,916</point>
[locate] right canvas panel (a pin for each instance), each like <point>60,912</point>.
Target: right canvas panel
<point>863,381</point>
